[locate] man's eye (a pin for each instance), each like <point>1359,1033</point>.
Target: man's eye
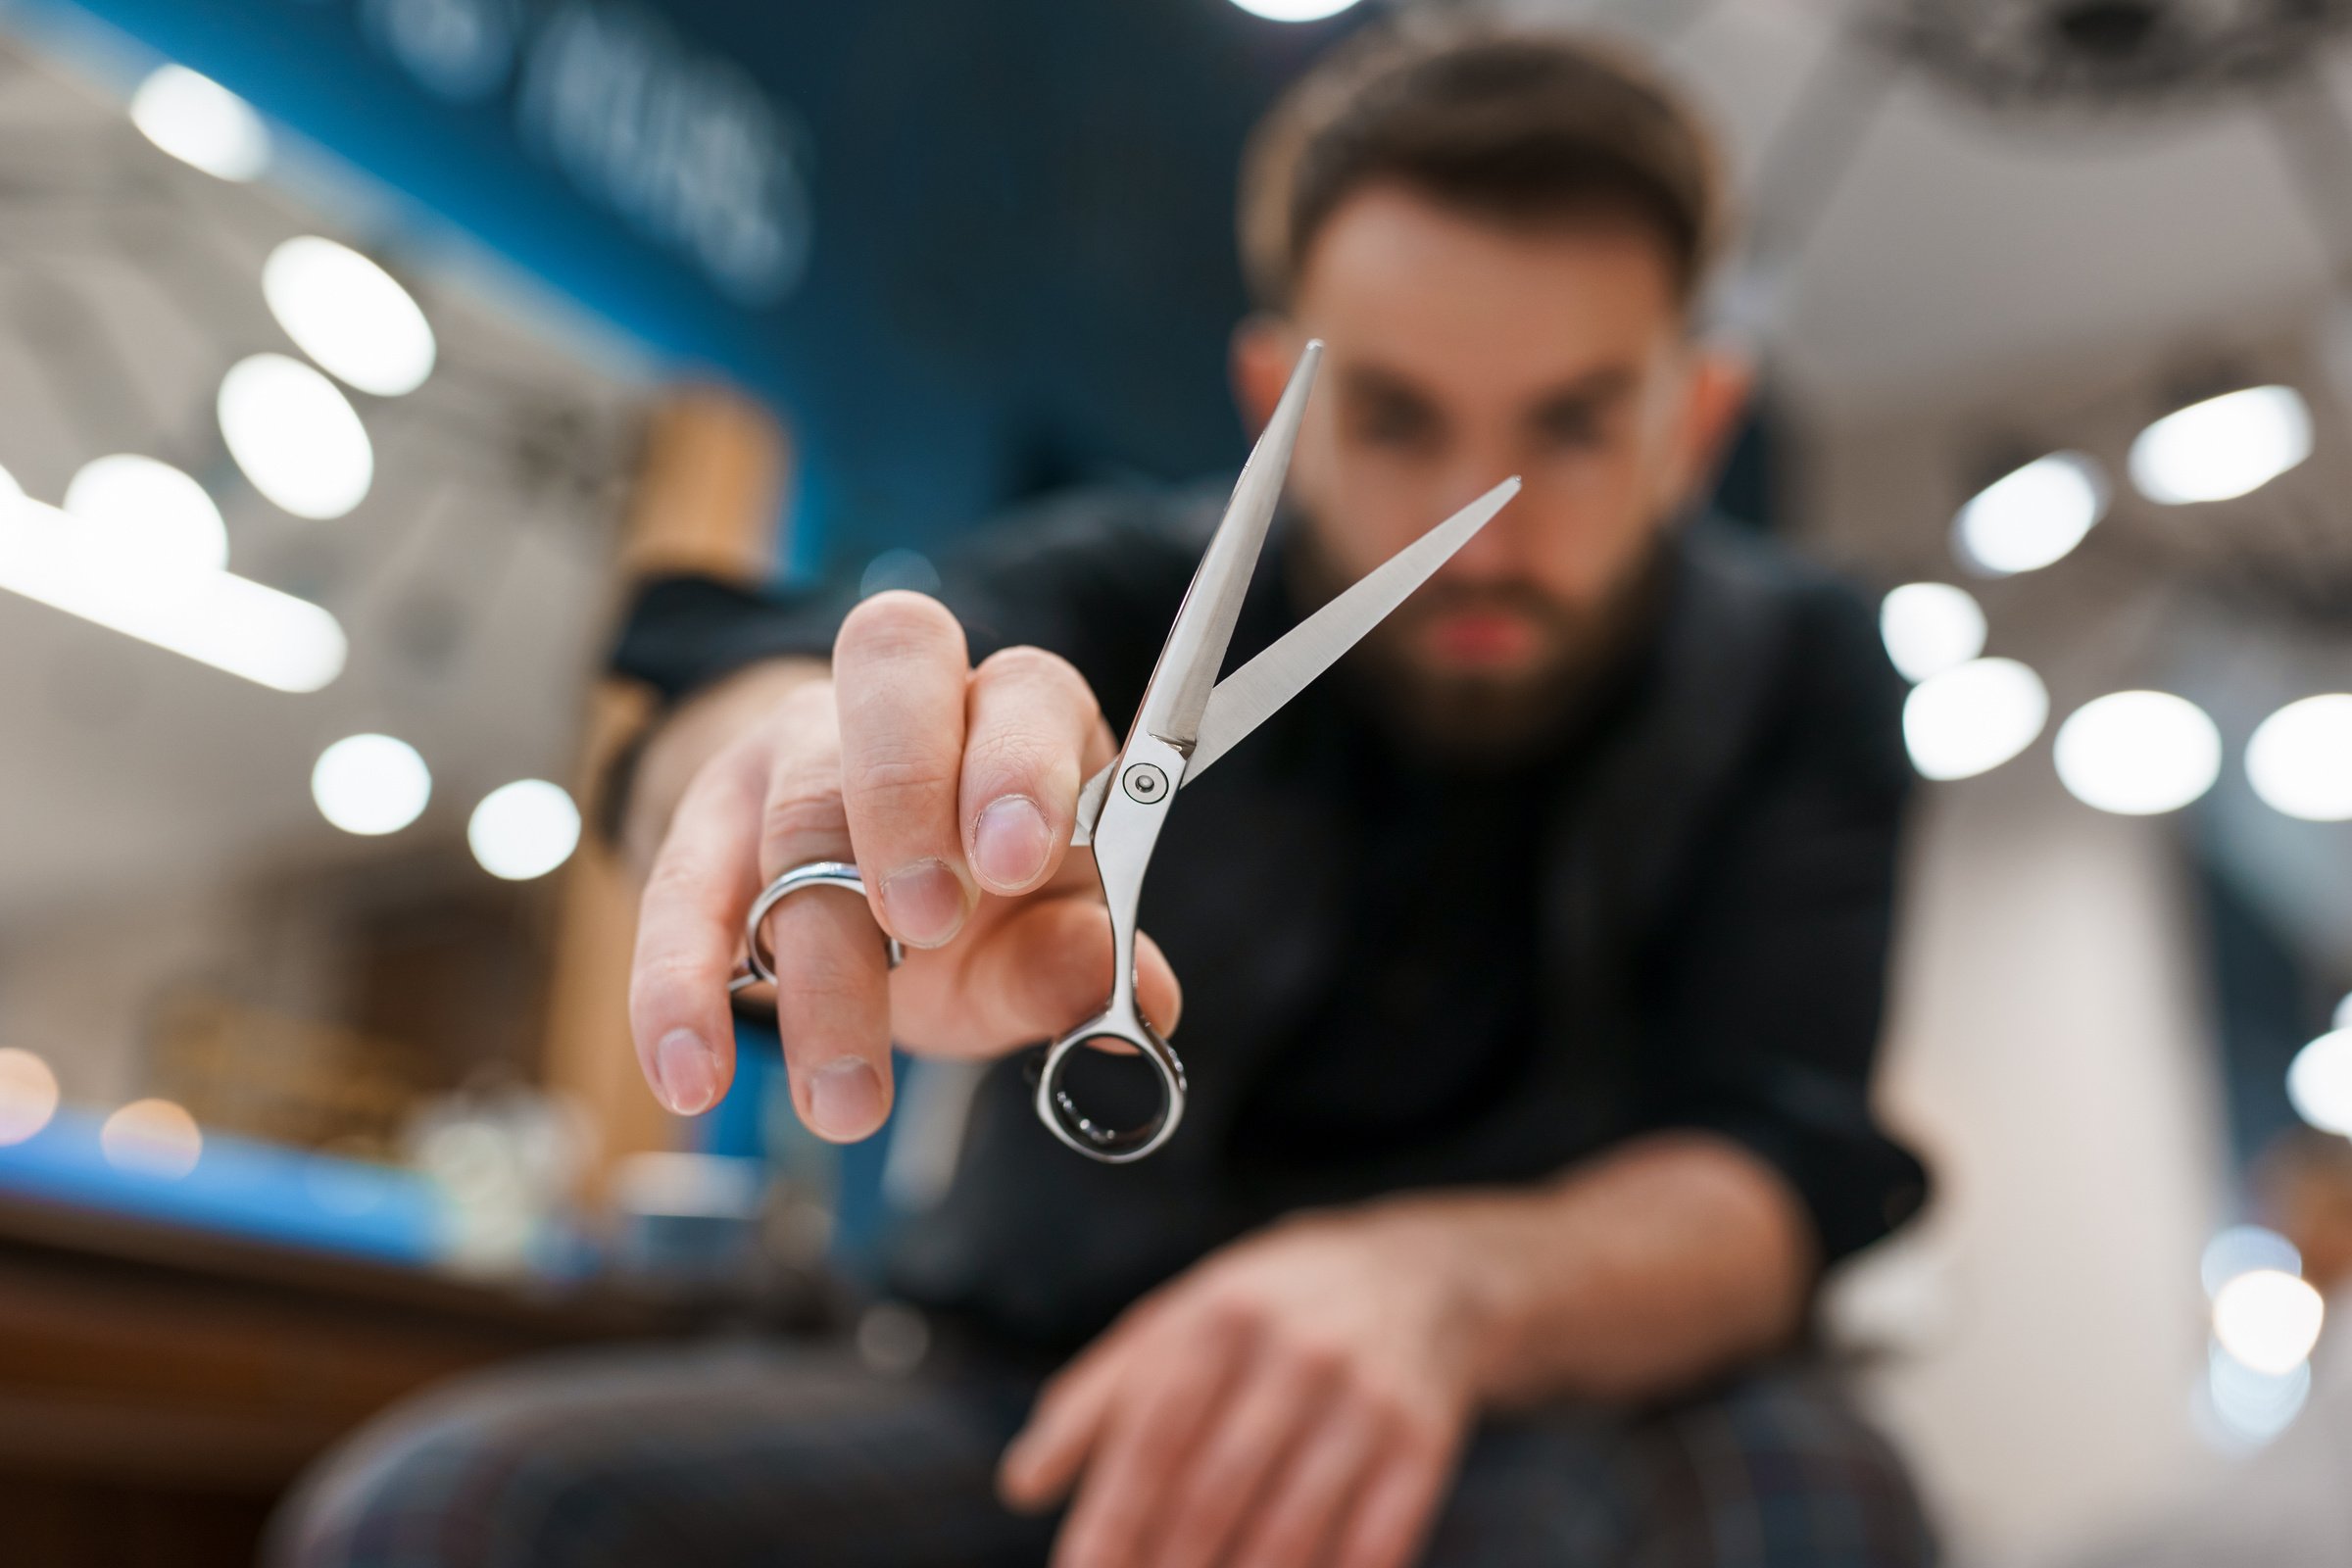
<point>1393,427</point>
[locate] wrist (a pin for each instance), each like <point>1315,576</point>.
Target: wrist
<point>1452,1247</point>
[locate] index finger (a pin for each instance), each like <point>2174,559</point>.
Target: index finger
<point>688,924</point>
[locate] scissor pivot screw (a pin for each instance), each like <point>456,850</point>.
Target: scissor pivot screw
<point>1146,783</point>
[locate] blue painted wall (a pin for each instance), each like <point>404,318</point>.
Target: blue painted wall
<point>971,247</point>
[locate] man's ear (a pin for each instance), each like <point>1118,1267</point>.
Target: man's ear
<point>1723,376</point>
<point>1265,347</point>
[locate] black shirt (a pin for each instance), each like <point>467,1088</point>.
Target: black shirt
<point>1675,913</point>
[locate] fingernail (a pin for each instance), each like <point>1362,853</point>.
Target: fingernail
<point>1011,842</point>
<point>844,1100</point>
<point>924,902</point>
<point>688,1071</point>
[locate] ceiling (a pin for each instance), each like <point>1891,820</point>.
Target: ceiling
<point>1928,237</point>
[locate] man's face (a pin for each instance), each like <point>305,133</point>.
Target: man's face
<point>1460,351</point>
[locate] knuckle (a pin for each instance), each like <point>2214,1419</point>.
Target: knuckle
<point>1006,760</point>
<point>807,707</point>
<point>1025,665</point>
<point>1230,1320</point>
<point>899,623</point>
<point>662,980</point>
<point>674,882</point>
<point>1317,1361</point>
<point>794,821</point>
<point>817,972</point>
<point>895,781</point>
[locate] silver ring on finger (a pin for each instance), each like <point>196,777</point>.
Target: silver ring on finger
<point>759,965</point>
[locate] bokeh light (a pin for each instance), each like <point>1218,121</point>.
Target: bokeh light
<point>2253,1408</point>
<point>1974,717</point>
<point>2268,1319</point>
<point>153,512</point>
<point>2319,1082</point>
<point>296,437</point>
<point>349,314</point>
<point>1930,627</point>
<point>370,784</point>
<point>2033,517</point>
<point>2224,447</point>
<point>2138,752</point>
<point>1294,10</point>
<point>2241,1249</point>
<point>152,1138</point>
<point>2299,759</point>
<point>28,1094</point>
<point>524,829</point>
<point>199,121</point>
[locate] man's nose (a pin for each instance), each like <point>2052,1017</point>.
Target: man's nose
<point>1497,552</point>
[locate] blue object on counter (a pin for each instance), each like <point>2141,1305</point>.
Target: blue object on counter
<point>239,1188</point>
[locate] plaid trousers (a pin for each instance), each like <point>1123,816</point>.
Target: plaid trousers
<point>785,1456</point>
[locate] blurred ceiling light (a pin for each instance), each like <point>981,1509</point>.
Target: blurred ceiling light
<point>524,829</point>
<point>2138,752</point>
<point>2028,518</point>
<point>2319,1082</point>
<point>28,1094</point>
<point>1930,627</point>
<point>297,438</point>
<point>1294,10</point>
<point>199,121</point>
<point>214,618</point>
<point>2253,1408</point>
<point>2222,446</point>
<point>2241,1249</point>
<point>1973,717</point>
<point>349,315</point>
<point>2268,1319</point>
<point>10,490</point>
<point>2343,1014</point>
<point>159,515</point>
<point>2300,758</point>
<point>370,784</point>
<point>152,1138</point>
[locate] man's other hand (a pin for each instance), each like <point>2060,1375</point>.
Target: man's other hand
<point>954,789</point>
<point>1299,1398</point>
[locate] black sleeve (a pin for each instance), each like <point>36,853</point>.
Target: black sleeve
<point>1768,991</point>
<point>1073,575</point>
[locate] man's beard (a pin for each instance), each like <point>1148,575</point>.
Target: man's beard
<point>1479,719</point>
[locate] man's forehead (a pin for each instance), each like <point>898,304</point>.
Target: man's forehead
<point>1398,280</point>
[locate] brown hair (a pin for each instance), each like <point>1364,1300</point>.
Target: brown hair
<point>1516,123</point>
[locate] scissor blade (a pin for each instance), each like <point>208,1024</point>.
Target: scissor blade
<point>1188,665</point>
<point>1253,692</point>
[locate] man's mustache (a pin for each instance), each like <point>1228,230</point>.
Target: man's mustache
<point>1438,600</point>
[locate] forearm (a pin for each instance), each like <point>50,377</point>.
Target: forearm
<point>696,732</point>
<point>1666,1261</point>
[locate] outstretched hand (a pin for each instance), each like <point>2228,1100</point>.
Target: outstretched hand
<point>1298,1398</point>
<point>955,791</point>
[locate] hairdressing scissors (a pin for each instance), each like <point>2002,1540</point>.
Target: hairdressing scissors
<point>1189,718</point>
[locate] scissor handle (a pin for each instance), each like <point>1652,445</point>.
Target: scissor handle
<point>1113,1145</point>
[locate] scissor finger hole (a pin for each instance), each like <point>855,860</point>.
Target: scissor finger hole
<point>1117,1099</point>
